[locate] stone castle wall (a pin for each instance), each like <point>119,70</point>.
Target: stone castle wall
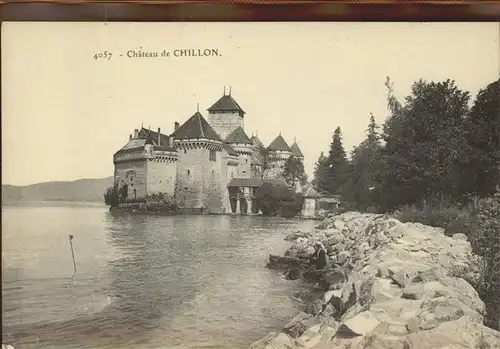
<point>199,180</point>
<point>161,176</point>
<point>225,123</point>
<point>134,174</point>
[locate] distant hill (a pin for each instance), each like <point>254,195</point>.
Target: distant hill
<point>87,190</point>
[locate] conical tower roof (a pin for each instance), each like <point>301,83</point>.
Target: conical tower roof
<point>238,136</point>
<point>296,150</point>
<point>226,103</point>
<point>279,143</point>
<point>196,127</point>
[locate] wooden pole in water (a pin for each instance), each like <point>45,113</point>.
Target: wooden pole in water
<point>72,252</point>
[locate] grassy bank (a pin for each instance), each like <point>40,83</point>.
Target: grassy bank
<point>480,222</point>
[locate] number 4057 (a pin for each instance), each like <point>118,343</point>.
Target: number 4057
<point>103,55</point>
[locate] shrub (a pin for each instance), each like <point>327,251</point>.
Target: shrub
<point>486,243</point>
<point>451,218</point>
<point>111,197</point>
<point>270,198</point>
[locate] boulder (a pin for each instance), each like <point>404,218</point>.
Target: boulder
<point>359,325</point>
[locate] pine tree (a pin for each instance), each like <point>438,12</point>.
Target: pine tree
<point>338,166</point>
<point>320,180</point>
<point>366,164</point>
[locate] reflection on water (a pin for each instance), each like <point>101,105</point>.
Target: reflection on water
<point>154,281</point>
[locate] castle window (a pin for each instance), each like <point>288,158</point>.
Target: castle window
<point>213,155</point>
<point>189,172</point>
<point>185,151</point>
<point>213,173</point>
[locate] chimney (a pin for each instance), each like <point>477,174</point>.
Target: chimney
<point>159,138</point>
<point>176,126</point>
<point>136,133</point>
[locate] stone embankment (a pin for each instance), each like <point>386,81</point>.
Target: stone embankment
<point>388,285</point>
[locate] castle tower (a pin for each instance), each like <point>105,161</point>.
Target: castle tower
<point>200,166</point>
<point>225,116</point>
<point>243,146</point>
<point>279,152</point>
<point>296,152</point>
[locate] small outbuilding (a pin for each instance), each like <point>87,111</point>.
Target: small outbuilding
<point>309,203</point>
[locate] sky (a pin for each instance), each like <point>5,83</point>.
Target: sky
<point>64,114</point>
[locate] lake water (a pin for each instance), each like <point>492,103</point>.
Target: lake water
<point>156,282</point>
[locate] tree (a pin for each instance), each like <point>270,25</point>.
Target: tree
<point>366,165</point>
<point>111,197</point>
<point>263,154</point>
<point>423,154</point>
<point>481,172</point>
<point>320,180</point>
<point>338,166</point>
<point>270,198</point>
<point>294,173</point>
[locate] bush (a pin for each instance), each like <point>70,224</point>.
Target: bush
<point>452,219</point>
<point>486,243</point>
<point>271,197</point>
<point>111,197</point>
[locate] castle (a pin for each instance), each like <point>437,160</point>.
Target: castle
<point>207,164</point>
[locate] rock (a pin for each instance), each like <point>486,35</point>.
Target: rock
<point>274,341</point>
<point>315,307</point>
<point>359,325</point>
<point>278,262</point>
<point>297,325</point>
<point>460,236</point>
<point>293,274</point>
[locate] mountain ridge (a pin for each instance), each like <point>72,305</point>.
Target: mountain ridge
<point>80,190</point>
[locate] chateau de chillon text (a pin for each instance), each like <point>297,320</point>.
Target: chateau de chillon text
<point>208,163</point>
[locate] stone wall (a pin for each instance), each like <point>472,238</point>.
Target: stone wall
<point>199,180</point>
<point>244,166</point>
<point>388,285</point>
<point>225,123</point>
<point>132,173</point>
<point>161,177</point>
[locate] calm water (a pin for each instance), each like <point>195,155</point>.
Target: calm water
<point>156,282</point>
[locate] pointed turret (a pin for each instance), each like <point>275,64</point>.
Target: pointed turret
<point>238,136</point>
<point>196,127</point>
<point>296,150</point>
<point>279,144</point>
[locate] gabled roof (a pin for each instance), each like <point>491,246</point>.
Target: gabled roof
<point>238,136</point>
<point>226,103</point>
<point>196,127</point>
<point>310,193</point>
<point>133,145</point>
<point>296,150</point>
<point>230,150</point>
<point>279,144</point>
<point>149,136</point>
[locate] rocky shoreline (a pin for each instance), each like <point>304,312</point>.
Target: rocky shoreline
<point>388,285</point>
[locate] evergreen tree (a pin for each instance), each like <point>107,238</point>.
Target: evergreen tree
<point>338,166</point>
<point>481,173</point>
<point>320,180</point>
<point>294,173</point>
<point>366,164</point>
<point>423,155</point>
